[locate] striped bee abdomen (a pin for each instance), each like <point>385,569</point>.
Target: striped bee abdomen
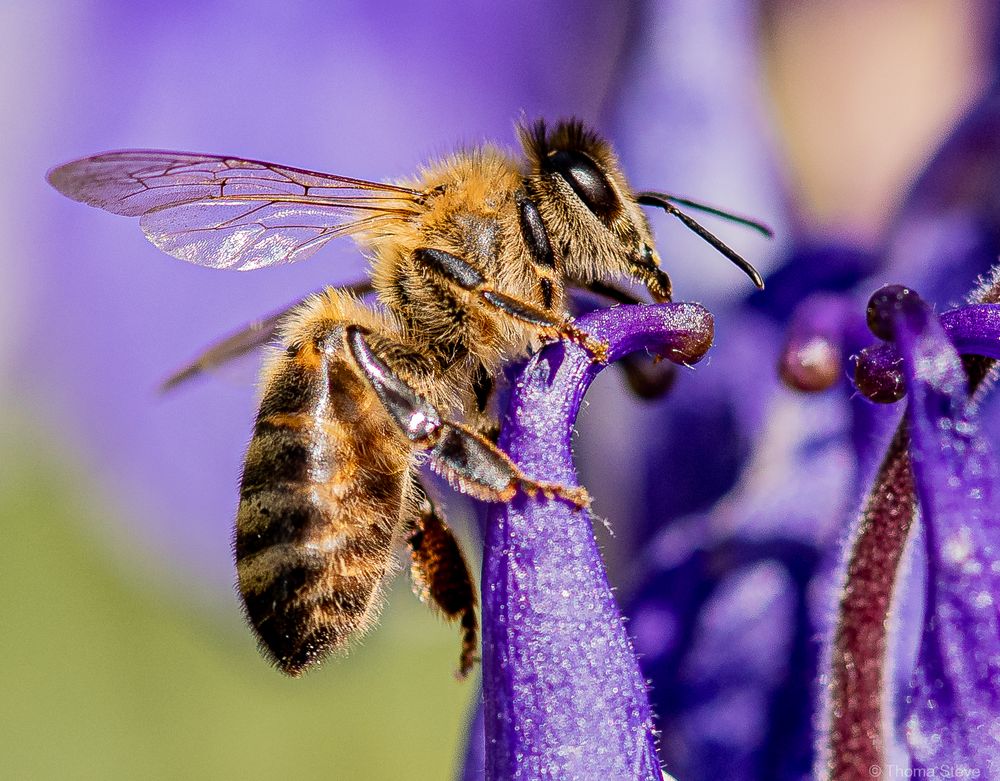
<point>320,504</point>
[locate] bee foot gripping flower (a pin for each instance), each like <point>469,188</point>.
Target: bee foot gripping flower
<point>941,463</point>
<point>564,697</point>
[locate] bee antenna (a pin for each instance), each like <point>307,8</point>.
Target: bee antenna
<point>704,207</point>
<point>665,202</point>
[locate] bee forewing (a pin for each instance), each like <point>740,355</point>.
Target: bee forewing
<point>226,212</point>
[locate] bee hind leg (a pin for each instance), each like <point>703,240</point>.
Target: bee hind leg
<point>441,575</point>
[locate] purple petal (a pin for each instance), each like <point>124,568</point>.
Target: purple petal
<point>564,695</point>
<point>474,756</point>
<point>726,637</point>
<point>955,702</point>
<point>974,329</point>
<point>948,231</point>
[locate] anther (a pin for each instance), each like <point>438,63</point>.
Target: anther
<point>878,374</point>
<point>884,305</point>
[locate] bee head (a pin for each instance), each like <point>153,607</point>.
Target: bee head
<point>589,211</point>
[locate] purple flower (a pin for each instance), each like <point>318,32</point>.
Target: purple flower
<point>564,695</point>
<point>750,491</point>
<point>940,463</point>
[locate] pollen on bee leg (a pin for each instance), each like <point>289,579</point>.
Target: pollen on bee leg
<point>595,347</point>
<point>576,495</point>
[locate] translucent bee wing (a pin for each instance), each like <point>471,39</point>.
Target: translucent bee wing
<point>226,212</point>
<point>243,234</point>
<point>246,340</point>
<point>135,181</point>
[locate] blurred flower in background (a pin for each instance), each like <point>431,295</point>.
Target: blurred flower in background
<point>734,615</point>
<point>729,500</point>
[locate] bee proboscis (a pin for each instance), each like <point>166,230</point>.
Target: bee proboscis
<point>470,265</point>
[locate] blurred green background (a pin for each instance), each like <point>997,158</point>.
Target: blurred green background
<point>111,668</point>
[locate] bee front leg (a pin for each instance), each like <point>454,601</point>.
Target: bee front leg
<point>647,376</point>
<point>441,575</point>
<point>468,461</point>
<point>458,272</point>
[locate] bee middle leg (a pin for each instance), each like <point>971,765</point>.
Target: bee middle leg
<point>467,460</point>
<point>441,575</point>
<point>459,272</point>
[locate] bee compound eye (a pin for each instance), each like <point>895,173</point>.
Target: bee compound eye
<point>588,182</point>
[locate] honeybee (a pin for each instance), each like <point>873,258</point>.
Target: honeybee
<point>471,262</point>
